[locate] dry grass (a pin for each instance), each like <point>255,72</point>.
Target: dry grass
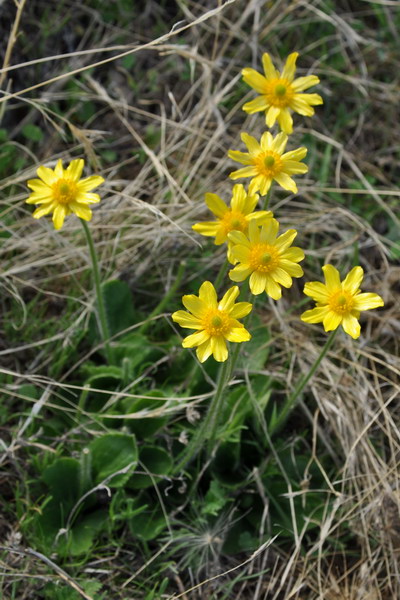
<point>142,229</point>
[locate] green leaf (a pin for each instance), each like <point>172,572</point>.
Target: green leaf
<point>215,500</point>
<point>154,460</point>
<point>62,477</point>
<point>112,453</point>
<point>148,525</point>
<point>145,427</point>
<point>32,132</point>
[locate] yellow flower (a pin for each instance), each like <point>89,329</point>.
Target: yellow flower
<point>280,93</point>
<point>266,162</point>
<point>339,303</point>
<point>268,259</point>
<point>62,192</point>
<point>235,218</point>
<point>214,321</point>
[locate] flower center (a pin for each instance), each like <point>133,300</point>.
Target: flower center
<point>341,302</point>
<point>263,258</point>
<point>269,163</point>
<point>279,92</point>
<point>216,322</point>
<point>234,220</point>
<point>64,191</point>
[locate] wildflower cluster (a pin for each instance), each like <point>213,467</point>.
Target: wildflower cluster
<point>254,246</point>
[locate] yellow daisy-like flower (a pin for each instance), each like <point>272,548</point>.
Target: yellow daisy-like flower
<point>235,218</point>
<point>339,303</point>
<point>280,93</point>
<point>266,161</point>
<point>267,259</point>
<point>214,321</point>
<point>62,192</point>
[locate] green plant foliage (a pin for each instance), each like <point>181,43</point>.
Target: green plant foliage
<point>111,453</point>
<point>156,462</point>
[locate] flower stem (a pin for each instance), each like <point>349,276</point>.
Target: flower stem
<point>221,274</point>
<point>292,399</point>
<point>267,199</point>
<point>211,420</point>
<point>101,311</point>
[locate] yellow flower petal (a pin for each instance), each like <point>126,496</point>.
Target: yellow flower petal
<point>88,184</point>
<point>87,198</point>
<point>208,228</point>
<point>58,170</point>
<point>273,289</point>
<point>269,231</point>
<point>38,186</point>
<point>47,175</point>
<point>43,210</point>
<point>292,268</point>
<point>282,277</point>
<point>297,154</point>
<point>219,349</point>
<point>284,241</point>
<point>351,326</point>
<point>268,66</point>
<point>266,141</point>
<point>228,299</point>
<point>216,205</point>
<point>285,121</point>
<point>238,237</point>
<point>303,83</point>
<point>332,320</point>
<point>242,157</point>
<point>301,106</point>
<point>240,310</point>
<point>279,143</point>
<point>74,170</point>
<point>286,182</point>
<point>194,305</point>
<point>208,294</point>
<point>252,145</point>
<point>292,167</point>
<point>204,351</point>
<point>353,280</point>
<point>238,197</point>
<point>255,105</point>
<point>265,184</point>
<point>240,273</point>
<point>245,172</point>
<point>185,319</point>
<point>81,211</point>
<point>315,315</point>
<point>293,254</point>
<point>271,115</point>
<point>332,278</point>
<point>238,334</point>
<point>317,291</point>
<point>367,301</point>
<point>254,80</point>
<point>257,283</point>
<point>59,215</point>
<point>290,67</point>
<point>241,253</point>
<point>195,339</point>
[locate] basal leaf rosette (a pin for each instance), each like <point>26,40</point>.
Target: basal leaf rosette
<point>281,93</point>
<point>268,259</point>
<point>62,192</point>
<point>215,322</point>
<point>266,161</point>
<point>339,302</point>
